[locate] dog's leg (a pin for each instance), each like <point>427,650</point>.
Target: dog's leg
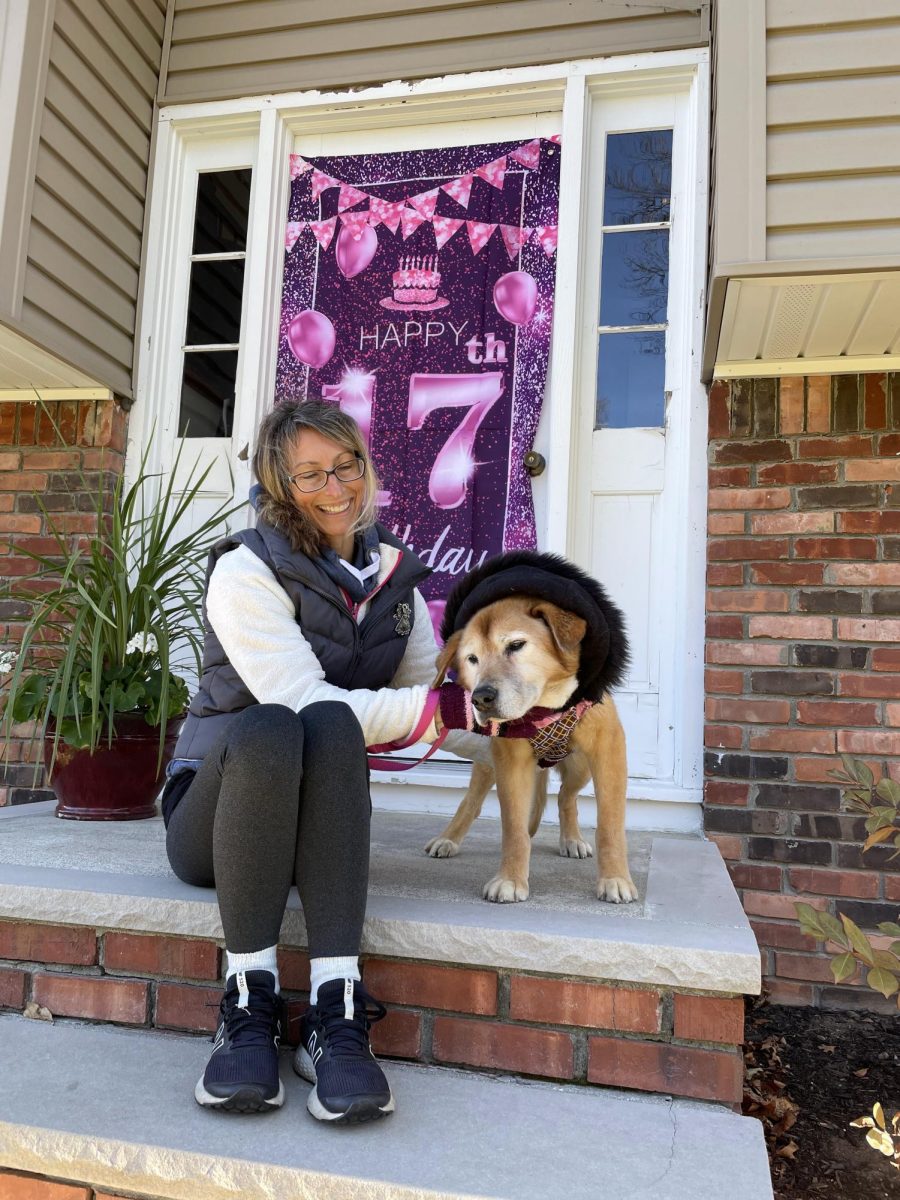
<point>515,767</point>
<point>609,769</point>
<point>539,803</point>
<point>447,844</point>
<point>575,772</point>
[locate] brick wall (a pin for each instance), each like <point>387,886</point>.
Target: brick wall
<point>58,452</point>
<point>650,1038</point>
<point>802,658</point>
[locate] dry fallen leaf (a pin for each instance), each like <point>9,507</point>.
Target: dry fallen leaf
<point>826,1049</point>
<point>862,1073</point>
<point>787,1151</point>
<point>37,1012</point>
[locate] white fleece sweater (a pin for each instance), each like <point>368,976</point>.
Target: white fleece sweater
<point>253,618</point>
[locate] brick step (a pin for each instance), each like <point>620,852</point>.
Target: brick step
<point>113,1110</point>
<point>646,996</point>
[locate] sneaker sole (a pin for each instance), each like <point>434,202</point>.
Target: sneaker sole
<point>356,1114</point>
<point>247,1099</point>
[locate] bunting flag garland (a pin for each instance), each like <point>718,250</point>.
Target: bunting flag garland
<point>292,232</point>
<point>493,172</point>
<point>459,189</point>
<point>354,223</point>
<point>349,196</point>
<point>385,212</point>
<point>444,229</point>
<point>479,234</point>
<point>528,155</point>
<point>555,137</point>
<point>324,231</point>
<point>299,166</point>
<point>424,203</point>
<point>321,182</point>
<point>514,238</point>
<point>411,220</point>
<point>548,236</point>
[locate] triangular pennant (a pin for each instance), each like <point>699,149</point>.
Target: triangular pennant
<point>528,155</point>
<point>444,229</point>
<point>324,231</point>
<point>548,236</point>
<point>424,203</point>
<point>514,237</point>
<point>411,221</point>
<point>355,222</point>
<point>292,232</point>
<point>555,137</point>
<point>321,182</point>
<point>299,166</point>
<point>479,234</point>
<point>493,172</point>
<point>459,189</point>
<point>385,211</point>
<point>349,196</point>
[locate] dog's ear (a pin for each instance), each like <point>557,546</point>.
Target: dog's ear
<point>566,629</point>
<point>447,658</point>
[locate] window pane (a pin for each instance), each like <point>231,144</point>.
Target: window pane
<point>638,177</point>
<point>634,278</point>
<point>207,394</point>
<point>223,203</point>
<point>214,304</point>
<point>631,380</point>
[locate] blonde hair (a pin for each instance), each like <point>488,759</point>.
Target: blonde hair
<point>271,466</point>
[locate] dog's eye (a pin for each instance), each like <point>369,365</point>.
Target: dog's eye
<point>470,658</point>
<point>514,646</point>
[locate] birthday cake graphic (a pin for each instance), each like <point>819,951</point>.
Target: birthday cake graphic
<point>416,284</point>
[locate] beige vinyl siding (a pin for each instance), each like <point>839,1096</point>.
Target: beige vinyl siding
<point>84,243</point>
<point>227,48</point>
<point>832,129</point>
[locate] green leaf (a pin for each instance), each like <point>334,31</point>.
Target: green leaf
<point>833,930</point>
<point>843,966</point>
<point>889,928</point>
<point>858,940</point>
<point>863,773</point>
<point>886,960</point>
<point>888,789</point>
<point>809,919</point>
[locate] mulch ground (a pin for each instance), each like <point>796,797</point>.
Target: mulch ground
<point>809,1073</point>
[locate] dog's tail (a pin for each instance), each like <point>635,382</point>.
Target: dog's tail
<point>538,802</point>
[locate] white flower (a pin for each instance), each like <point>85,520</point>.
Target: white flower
<point>7,661</point>
<point>142,643</point>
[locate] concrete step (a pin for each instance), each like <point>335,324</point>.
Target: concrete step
<point>114,1109</point>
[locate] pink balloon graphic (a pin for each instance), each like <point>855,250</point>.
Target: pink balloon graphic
<point>515,297</point>
<point>355,253</point>
<point>311,338</point>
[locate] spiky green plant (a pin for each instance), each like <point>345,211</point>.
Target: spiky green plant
<point>110,618</point>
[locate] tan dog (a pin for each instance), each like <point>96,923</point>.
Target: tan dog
<point>512,655</point>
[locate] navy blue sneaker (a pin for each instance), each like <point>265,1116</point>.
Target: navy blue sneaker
<point>335,1055</point>
<point>242,1072</point>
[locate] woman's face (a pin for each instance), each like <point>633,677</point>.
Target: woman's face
<point>335,507</point>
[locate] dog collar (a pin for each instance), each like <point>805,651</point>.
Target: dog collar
<point>549,730</point>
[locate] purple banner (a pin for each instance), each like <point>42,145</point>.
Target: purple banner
<point>418,295</point>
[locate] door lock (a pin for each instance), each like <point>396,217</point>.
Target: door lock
<point>534,463</point>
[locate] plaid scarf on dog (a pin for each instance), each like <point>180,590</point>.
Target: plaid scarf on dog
<point>549,730</point>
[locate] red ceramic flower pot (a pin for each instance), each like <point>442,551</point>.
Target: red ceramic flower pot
<point>118,782</point>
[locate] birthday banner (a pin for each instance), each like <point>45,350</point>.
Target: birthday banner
<point>418,296</point>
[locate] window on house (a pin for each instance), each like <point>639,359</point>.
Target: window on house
<point>212,335</point>
<point>634,280</point>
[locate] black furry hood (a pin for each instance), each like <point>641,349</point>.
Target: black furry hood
<point>604,650</point>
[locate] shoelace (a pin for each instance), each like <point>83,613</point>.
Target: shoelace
<point>350,1038</point>
<point>250,1026</point>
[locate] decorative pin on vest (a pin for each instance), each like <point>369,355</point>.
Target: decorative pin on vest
<point>402,622</point>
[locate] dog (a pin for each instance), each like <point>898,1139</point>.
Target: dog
<point>538,644</point>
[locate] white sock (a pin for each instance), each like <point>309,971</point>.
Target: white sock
<point>323,970</point>
<point>259,960</point>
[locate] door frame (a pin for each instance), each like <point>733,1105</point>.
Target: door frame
<point>571,89</point>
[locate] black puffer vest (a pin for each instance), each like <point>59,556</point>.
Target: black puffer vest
<point>352,655</point>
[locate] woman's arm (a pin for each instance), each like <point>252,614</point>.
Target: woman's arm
<point>253,618</point>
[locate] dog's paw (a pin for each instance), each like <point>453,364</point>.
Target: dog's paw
<point>505,891</point>
<point>618,889</point>
<point>441,847</point>
<point>574,848</point>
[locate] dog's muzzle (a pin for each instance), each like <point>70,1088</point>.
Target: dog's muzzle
<point>484,698</point>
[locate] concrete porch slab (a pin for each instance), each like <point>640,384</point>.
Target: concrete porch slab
<point>687,930</point>
<point>115,1109</point>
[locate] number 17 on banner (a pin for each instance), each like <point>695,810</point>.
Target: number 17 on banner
<point>455,464</point>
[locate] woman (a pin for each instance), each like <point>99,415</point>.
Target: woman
<point>317,645</point>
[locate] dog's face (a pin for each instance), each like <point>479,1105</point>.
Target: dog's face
<point>513,655</point>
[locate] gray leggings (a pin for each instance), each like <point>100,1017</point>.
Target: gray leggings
<point>281,798</point>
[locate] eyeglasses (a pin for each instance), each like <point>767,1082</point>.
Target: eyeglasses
<point>314,481</point>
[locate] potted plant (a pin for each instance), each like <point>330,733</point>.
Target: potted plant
<point>107,625</point>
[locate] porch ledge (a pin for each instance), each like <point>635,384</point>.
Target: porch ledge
<point>688,930</point>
